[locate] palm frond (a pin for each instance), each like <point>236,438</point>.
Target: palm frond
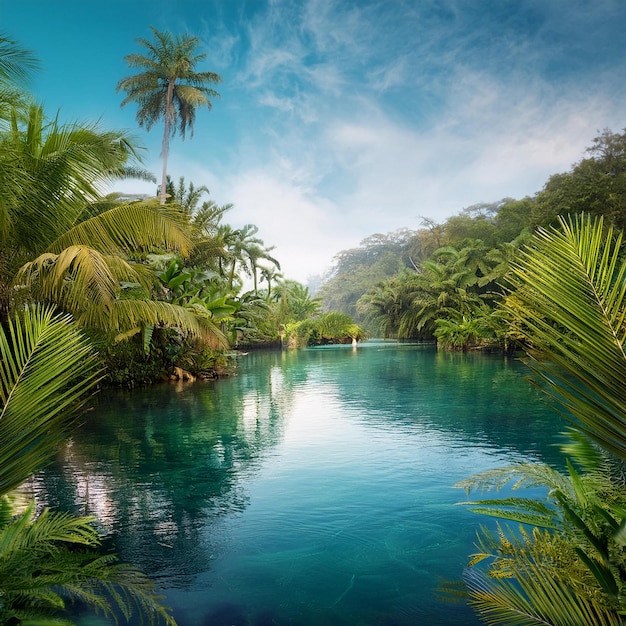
<point>522,510</point>
<point>23,535</point>
<point>16,62</point>
<point>534,598</point>
<point>570,305</point>
<point>66,165</point>
<point>518,475</point>
<point>535,578</point>
<point>46,369</point>
<point>74,279</point>
<point>130,314</point>
<point>50,560</point>
<point>86,284</point>
<point>131,228</point>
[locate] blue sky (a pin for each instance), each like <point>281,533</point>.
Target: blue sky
<point>339,119</point>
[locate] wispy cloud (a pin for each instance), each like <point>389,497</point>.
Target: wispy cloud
<point>393,74</point>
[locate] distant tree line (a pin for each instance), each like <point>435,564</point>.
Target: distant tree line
<point>446,281</point>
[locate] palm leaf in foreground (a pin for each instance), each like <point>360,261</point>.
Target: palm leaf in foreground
<point>565,563</point>
<point>52,559</point>
<point>570,306</point>
<point>46,368</point>
<point>535,596</point>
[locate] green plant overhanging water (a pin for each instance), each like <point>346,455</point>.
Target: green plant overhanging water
<point>566,562</point>
<point>51,559</point>
<point>46,370</point>
<point>569,305</point>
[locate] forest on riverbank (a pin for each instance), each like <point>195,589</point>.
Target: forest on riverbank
<point>447,281</point>
<point>101,288</point>
<point>163,284</point>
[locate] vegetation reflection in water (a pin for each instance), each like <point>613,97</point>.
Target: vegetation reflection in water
<point>313,488</point>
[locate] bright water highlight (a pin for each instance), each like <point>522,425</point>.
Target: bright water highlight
<point>314,488</point>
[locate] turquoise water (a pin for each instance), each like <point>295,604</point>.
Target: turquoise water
<point>314,488</point>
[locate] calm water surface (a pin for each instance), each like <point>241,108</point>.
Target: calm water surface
<point>314,488</point>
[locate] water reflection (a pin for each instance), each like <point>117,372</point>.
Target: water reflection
<point>157,465</point>
<point>463,398</point>
<point>314,487</point>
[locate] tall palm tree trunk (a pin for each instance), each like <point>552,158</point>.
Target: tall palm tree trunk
<point>165,146</point>
<point>164,155</point>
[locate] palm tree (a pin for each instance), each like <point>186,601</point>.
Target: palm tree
<point>336,326</point>
<point>435,289</point>
<point>450,295</point>
<point>51,172</point>
<point>255,253</point>
<point>384,304</point>
<point>477,327</point>
<point>270,275</point>
<point>205,221</point>
<point>47,370</point>
<point>187,196</point>
<point>168,87</point>
<point>294,302</point>
<point>244,249</point>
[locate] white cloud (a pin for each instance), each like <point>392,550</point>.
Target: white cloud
<point>305,230</point>
<point>270,99</point>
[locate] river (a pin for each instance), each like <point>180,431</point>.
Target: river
<point>314,488</point>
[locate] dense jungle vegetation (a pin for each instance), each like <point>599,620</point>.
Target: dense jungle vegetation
<point>97,287</point>
<point>162,284</point>
<point>447,281</point>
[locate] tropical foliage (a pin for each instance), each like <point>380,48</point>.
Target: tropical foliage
<point>63,244</point>
<point>152,283</point>
<point>328,328</point>
<point>46,368</point>
<point>566,563</point>
<point>570,305</point>
<point>411,283</point>
<point>451,296</point>
<point>49,560</point>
